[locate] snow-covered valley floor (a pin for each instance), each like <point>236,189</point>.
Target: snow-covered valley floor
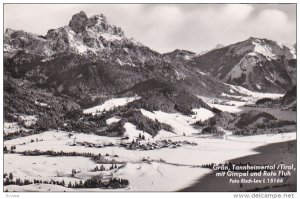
<point>164,169</point>
<point>167,169</point>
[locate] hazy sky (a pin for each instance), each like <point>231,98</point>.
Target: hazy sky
<point>165,27</point>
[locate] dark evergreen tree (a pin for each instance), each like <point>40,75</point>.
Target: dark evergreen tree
<point>102,168</point>
<point>70,185</point>
<point>11,177</point>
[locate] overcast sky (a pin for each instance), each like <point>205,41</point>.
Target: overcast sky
<point>165,27</point>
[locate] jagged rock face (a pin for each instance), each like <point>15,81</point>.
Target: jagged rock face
<point>257,64</point>
<point>83,36</point>
<point>78,22</point>
<point>21,40</point>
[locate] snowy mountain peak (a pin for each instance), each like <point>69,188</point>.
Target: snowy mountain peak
<point>263,48</point>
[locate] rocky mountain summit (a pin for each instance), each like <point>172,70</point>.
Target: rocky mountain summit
<point>93,37</point>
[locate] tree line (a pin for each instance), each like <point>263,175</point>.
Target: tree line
<point>112,183</point>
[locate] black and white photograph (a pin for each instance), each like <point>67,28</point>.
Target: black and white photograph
<point>149,97</point>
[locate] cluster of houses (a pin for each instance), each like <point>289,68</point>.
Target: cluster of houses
<point>139,144</point>
<point>142,145</point>
<point>88,144</point>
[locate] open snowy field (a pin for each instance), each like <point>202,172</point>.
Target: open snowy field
<point>152,176</point>
<point>158,174</point>
<point>48,168</point>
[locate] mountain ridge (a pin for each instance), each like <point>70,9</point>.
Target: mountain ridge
<point>256,64</point>
<point>87,49</point>
<point>90,57</point>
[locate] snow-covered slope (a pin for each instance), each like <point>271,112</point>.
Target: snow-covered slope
<point>249,96</point>
<point>110,104</point>
<point>257,64</point>
<point>181,124</point>
<point>131,132</point>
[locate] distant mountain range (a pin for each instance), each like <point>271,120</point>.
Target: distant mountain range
<point>90,60</point>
